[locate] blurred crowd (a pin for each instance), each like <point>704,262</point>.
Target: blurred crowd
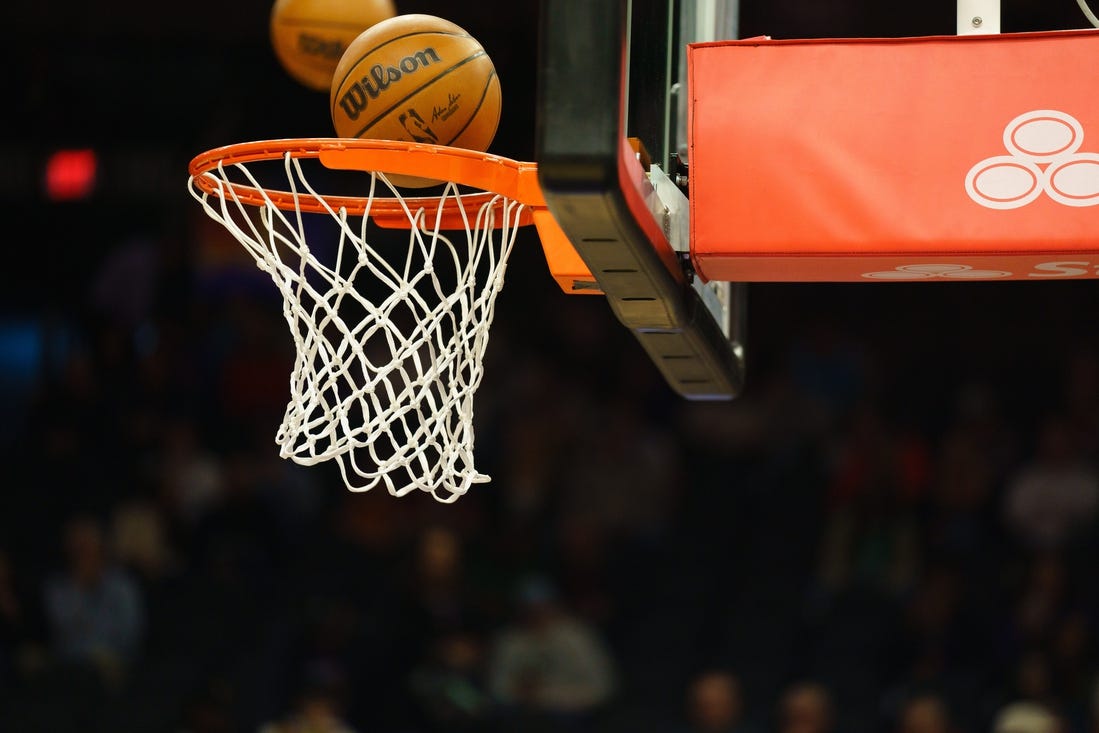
<point>886,532</point>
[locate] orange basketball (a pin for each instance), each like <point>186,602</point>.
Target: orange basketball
<point>310,36</point>
<point>417,78</point>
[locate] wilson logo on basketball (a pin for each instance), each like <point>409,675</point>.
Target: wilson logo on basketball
<point>380,78</point>
<point>320,47</point>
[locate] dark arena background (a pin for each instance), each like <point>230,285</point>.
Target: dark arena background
<point>893,529</point>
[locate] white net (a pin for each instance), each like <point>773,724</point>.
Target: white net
<point>390,326</point>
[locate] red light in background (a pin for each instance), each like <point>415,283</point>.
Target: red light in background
<point>70,174</point>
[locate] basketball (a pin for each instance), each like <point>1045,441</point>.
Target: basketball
<point>417,78</point>
<point>310,36</point>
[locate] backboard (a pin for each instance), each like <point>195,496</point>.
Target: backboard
<point>816,160</point>
<point>610,146</point>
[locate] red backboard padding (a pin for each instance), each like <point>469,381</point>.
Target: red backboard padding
<point>946,157</point>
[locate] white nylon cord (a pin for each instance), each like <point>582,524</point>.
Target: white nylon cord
<point>389,337</point>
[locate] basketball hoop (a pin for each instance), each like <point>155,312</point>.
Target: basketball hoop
<point>390,331</point>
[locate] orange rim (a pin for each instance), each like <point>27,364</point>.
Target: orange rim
<point>491,175</point>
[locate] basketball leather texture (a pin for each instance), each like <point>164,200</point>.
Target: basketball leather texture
<point>417,78</point>
<point>309,37</point>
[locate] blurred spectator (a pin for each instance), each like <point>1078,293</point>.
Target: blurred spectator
<point>975,454</point>
<point>925,713</point>
<point>124,288</point>
<point>831,370</point>
<point>1033,680</point>
<point>623,474</point>
<point>1025,717</point>
<point>1045,597</point>
<point>806,707</point>
<point>536,411</point>
<point>948,638</point>
<point>1052,498</point>
<point>439,596</point>
<point>979,413</point>
<point>870,533</point>
<point>1053,651</point>
<point>255,366</point>
<point>94,616</point>
<point>209,709</point>
<point>19,645</point>
<point>449,686</point>
<point>192,476</point>
<point>552,665</point>
<point>239,539</point>
<point>1081,398</point>
<point>11,620</point>
<point>139,540</point>
<point>582,563</point>
<point>1092,715</point>
<point>94,608</point>
<point>317,709</point>
<point>715,704</point>
<point>1072,663</point>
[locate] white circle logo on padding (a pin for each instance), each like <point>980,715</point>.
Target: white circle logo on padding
<point>1043,157</point>
<point>1074,180</point>
<point>928,272</point>
<point>1043,135</point>
<point>1004,182</point>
